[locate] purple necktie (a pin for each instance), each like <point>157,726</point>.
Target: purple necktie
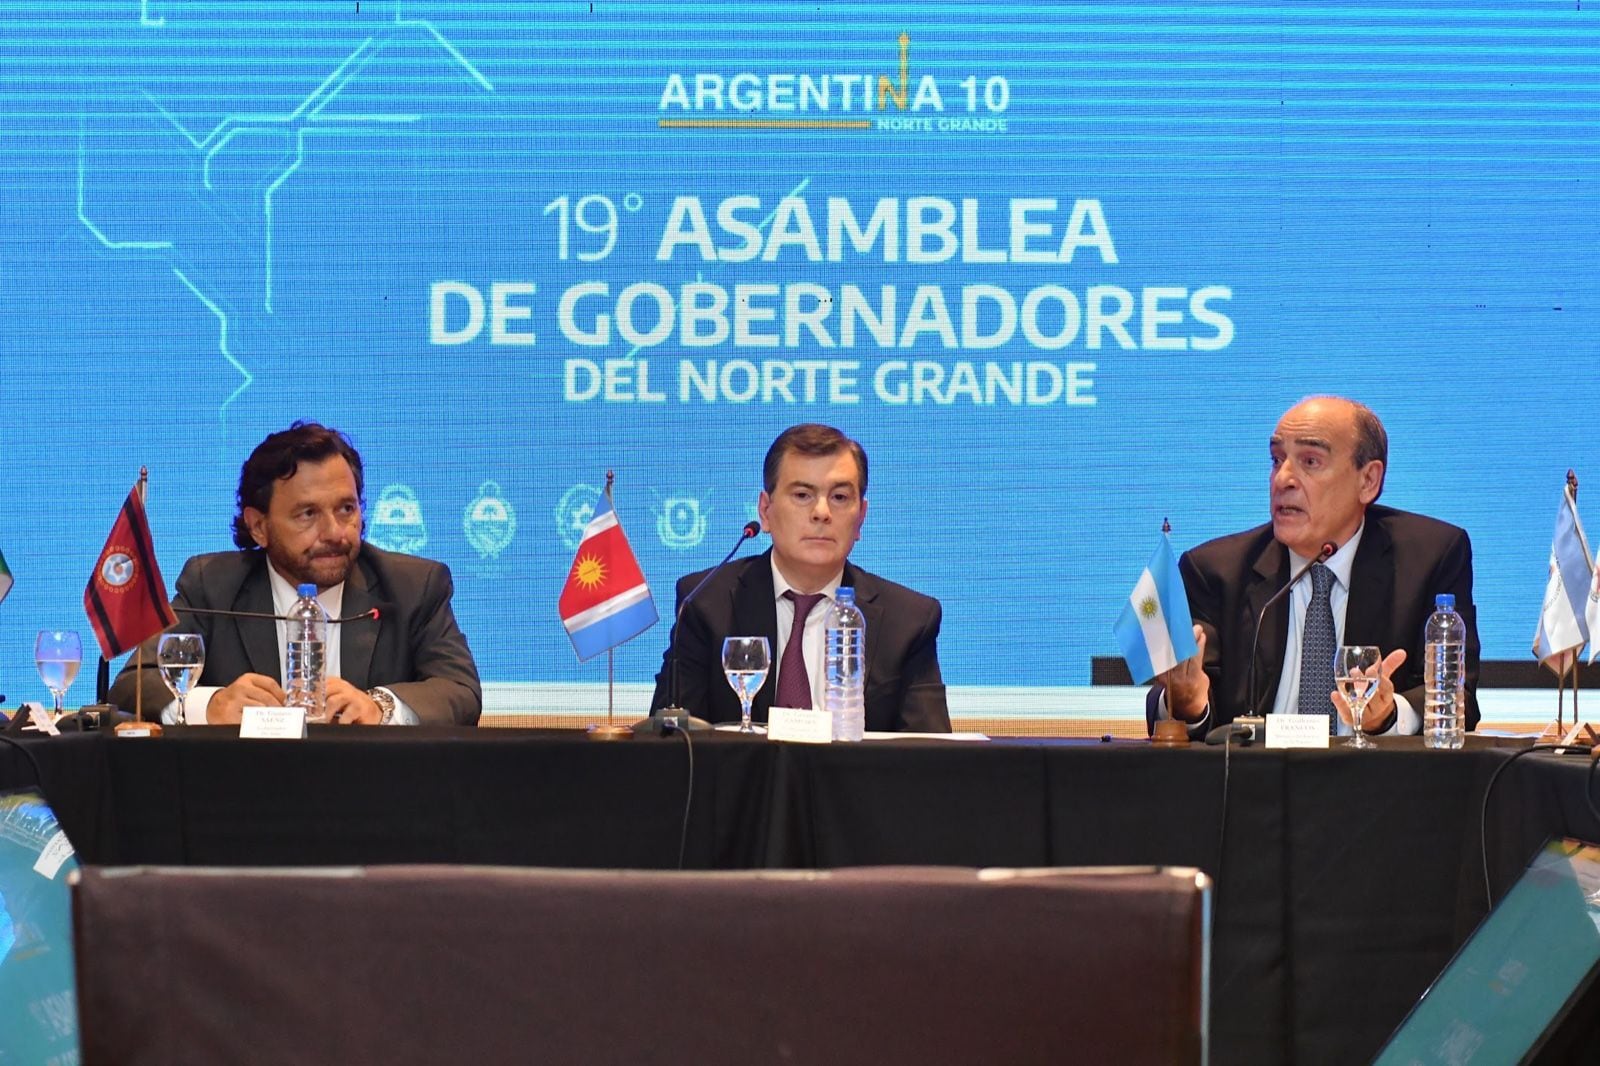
<point>794,687</point>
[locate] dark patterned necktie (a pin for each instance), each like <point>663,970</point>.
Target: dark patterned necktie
<point>794,687</point>
<point>1317,649</point>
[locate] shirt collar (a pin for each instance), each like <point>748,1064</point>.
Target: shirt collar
<point>284,594</point>
<point>1340,562</point>
<point>829,591</point>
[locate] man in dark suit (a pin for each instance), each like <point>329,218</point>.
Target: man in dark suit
<point>300,522</point>
<point>813,504</point>
<point>1329,457</point>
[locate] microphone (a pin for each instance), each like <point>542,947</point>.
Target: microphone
<point>1221,733</point>
<point>659,716</point>
<point>1328,548</point>
<point>375,613</point>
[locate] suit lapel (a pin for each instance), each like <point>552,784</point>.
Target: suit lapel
<point>259,635</point>
<point>1271,570</point>
<point>1371,588</point>
<point>755,614</point>
<point>357,640</point>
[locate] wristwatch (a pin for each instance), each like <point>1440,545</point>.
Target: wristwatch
<point>385,701</point>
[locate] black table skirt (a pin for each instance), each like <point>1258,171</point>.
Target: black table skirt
<point>1344,880</point>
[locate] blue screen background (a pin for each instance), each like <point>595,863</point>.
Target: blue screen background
<point>219,217</point>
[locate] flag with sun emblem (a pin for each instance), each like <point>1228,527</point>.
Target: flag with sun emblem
<point>1155,630</point>
<point>126,600</point>
<point>606,600</point>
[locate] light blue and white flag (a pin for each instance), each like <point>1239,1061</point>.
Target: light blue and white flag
<point>1155,630</point>
<point>1592,615</point>
<point>1563,627</point>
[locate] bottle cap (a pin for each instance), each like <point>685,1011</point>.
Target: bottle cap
<point>1445,601</point>
<point>846,594</point>
<point>307,590</point>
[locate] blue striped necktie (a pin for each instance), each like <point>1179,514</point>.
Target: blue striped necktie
<point>1318,645</point>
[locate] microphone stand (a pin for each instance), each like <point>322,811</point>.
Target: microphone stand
<point>1328,548</point>
<point>666,719</point>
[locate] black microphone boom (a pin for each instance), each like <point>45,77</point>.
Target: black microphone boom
<point>375,612</point>
<point>1328,548</point>
<point>672,710</point>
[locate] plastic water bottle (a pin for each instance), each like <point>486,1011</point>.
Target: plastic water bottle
<point>845,659</point>
<point>1444,717</point>
<point>307,670</point>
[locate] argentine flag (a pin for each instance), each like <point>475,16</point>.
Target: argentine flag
<point>1563,626</point>
<point>1155,630</point>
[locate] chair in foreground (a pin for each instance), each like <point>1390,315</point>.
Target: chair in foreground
<point>453,964</point>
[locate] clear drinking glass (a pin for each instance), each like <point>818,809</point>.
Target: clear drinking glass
<point>1356,673</point>
<point>58,653</point>
<point>746,661</point>
<point>181,657</point>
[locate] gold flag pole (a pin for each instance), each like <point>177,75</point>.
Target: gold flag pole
<point>610,730</point>
<point>139,727</point>
<point>1169,732</point>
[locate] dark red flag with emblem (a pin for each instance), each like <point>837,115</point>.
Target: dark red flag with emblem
<point>126,599</point>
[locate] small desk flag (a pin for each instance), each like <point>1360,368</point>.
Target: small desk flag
<point>1591,615</point>
<point>1155,630</point>
<point>5,578</point>
<point>1562,624</point>
<point>606,600</point>
<point>126,600</point>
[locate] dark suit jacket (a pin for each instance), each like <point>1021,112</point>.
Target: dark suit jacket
<point>904,690</point>
<point>414,649</point>
<point>1404,560</point>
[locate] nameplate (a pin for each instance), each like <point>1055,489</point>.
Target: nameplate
<point>41,720</point>
<point>273,723</point>
<point>800,725</point>
<point>1297,731</point>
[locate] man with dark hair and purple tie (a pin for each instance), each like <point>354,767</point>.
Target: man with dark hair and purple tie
<point>813,503</point>
<point>1376,587</point>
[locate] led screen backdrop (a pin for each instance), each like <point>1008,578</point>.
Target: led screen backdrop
<point>1058,266</point>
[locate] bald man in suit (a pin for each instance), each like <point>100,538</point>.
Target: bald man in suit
<point>1329,457</point>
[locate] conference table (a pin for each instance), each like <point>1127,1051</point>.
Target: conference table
<point>1345,880</point>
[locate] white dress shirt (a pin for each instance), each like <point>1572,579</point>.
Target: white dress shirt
<point>1406,719</point>
<point>284,596</point>
<point>815,635</point>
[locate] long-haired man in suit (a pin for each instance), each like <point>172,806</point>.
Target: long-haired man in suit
<point>299,522</point>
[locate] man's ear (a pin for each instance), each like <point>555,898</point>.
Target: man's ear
<point>1371,481</point>
<point>763,502</point>
<point>256,522</point>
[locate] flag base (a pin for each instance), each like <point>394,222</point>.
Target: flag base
<point>1578,734</point>
<point>1170,733</point>
<point>138,729</point>
<point>610,732</point>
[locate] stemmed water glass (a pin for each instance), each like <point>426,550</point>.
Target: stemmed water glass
<point>1357,675</point>
<point>181,657</point>
<point>58,653</point>
<point>746,660</point>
